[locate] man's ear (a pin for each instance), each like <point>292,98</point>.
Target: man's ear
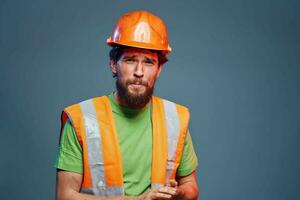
<point>159,70</point>
<point>113,66</point>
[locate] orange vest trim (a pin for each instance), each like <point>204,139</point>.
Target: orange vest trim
<point>75,114</point>
<point>159,142</point>
<point>183,121</point>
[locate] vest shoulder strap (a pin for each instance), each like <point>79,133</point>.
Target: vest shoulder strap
<point>170,124</point>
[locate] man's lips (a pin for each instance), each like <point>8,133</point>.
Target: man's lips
<point>137,86</point>
<point>138,83</point>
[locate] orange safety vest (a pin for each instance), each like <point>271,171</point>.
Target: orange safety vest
<point>102,164</point>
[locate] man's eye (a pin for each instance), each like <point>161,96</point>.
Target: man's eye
<point>149,62</point>
<point>129,61</point>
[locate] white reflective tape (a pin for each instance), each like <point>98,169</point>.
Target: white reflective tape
<point>173,129</point>
<point>94,147</point>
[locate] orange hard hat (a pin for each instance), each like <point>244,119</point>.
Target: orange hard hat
<point>140,29</point>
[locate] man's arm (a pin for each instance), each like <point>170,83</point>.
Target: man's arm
<point>69,183</point>
<point>68,187</point>
<point>187,187</point>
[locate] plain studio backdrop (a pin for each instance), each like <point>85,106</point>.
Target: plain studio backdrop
<point>235,64</point>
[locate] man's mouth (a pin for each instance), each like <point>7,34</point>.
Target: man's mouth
<point>138,83</point>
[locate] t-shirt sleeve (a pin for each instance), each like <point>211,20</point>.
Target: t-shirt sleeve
<point>189,161</point>
<point>70,151</point>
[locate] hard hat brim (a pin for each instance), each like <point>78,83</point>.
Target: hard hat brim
<point>138,45</point>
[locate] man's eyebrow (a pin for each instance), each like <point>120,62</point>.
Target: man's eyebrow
<point>129,57</point>
<point>150,59</point>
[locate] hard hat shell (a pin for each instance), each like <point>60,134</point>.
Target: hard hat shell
<point>140,29</point>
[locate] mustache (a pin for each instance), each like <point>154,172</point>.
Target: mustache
<point>137,81</point>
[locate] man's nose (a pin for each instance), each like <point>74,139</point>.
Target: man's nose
<point>139,70</point>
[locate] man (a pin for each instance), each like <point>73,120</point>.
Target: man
<point>129,144</point>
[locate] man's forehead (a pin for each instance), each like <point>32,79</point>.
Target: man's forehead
<point>132,51</point>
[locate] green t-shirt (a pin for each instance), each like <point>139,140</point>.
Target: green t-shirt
<point>134,131</point>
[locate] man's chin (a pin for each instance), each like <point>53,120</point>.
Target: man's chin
<point>137,99</point>
<point>139,89</point>
<point>134,96</point>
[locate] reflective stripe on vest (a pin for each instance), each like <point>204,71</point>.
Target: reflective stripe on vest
<point>173,135</point>
<point>95,128</point>
<point>94,147</point>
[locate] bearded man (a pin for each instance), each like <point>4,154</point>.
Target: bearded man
<point>128,144</point>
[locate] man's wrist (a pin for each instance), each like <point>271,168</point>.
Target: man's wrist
<point>180,192</point>
<point>131,198</point>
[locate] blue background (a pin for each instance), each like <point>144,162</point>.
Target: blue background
<point>235,64</point>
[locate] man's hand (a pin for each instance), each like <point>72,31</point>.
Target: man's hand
<point>163,193</point>
<point>186,186</point>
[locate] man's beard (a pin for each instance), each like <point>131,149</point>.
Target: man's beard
<point>134,100</point>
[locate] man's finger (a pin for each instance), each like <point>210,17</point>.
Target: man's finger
<point>159,195</point>
<point>167,190</point>
<point>173,183</point>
